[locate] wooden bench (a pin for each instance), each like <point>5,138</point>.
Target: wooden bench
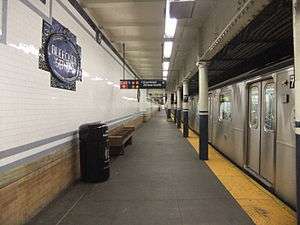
<point>119,138</point>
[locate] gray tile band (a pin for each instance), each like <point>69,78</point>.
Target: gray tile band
<point>33,157</point>
<point>26,147</point>
<point>4,22</point>
<point>39,12</point>
<point>76,20</point>
<point>23,148</point>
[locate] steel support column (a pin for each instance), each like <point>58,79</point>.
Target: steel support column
<point>185,108</point>
<point>172,103</point>
<point>296,28</point>
<point>143,104</point>
<point>168,107</point>
<point>178,108</point>
<point>175,106</point>
<point>203,111</point>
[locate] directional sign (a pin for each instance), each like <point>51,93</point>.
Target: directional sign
<point>142,84</point>
<point>129,84</point>
<point>152,84</point>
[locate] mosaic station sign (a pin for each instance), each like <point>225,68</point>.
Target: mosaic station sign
<point>60,55</point>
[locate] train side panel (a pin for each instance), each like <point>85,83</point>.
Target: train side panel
<point>285,181</point>
<point>228,128</point>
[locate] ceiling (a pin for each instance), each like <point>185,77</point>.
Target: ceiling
<point>187,32</point>
<point>139,24</point>
<point>267,41</point>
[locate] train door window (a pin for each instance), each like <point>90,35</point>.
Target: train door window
<point>225,106</point>
<point>270,101</point>
<point>253,107</point>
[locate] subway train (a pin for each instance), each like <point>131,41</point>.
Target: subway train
<point>251,122</point>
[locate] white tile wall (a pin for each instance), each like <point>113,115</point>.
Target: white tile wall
<point>30,109</point>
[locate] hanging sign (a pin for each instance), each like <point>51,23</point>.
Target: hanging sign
<point>142,84</point>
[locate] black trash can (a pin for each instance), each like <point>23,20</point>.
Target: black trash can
<point>94,152</point>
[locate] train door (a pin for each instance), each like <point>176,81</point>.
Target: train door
<point>261,129</point>
<point>210,117</point>
<point>253,156</point>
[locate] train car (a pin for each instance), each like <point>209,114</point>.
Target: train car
<point>251,122</point>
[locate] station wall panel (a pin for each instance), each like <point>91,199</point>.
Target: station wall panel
<point>38,123</point>
<point>32,110</point>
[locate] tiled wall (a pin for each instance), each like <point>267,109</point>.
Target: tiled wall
<point>30,109</point>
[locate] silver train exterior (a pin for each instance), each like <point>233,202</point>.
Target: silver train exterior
<point>252,123</point>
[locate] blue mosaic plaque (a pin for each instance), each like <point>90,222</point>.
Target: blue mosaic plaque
<point>63,58</point>
<point>60,55</point>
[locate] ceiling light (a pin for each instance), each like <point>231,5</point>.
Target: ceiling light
<point>166,65</point>
<point>165,78</point>
<point>170,23</point>
<point>168,45</point>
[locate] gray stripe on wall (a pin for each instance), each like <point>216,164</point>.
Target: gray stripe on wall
<point>39,12</point>
<point>34,157</point>
<point>26,147</point>
<point>4,22</point>
<point>76,19</point>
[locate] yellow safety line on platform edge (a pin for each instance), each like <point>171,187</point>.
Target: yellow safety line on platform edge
<point>262,206</point>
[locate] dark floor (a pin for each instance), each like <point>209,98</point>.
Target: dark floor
<point>159,181</point>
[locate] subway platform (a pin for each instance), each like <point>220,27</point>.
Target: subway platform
<point>159,181</point>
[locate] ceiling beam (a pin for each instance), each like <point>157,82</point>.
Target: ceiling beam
<point>100,3</point>
<point>131,24</point>
<point>146,61</point>
<point>156,68</point>
<point>143,49</point>
<point>148,40</point>
<point>142,64</point>
<point>137,39</point>
<point>146,53</point>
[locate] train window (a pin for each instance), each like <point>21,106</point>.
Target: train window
<point>253,107</point>
<point>225,107</point>
<point>270,104</point>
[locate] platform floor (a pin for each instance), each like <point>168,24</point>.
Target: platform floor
<point>263,207</point>
<point>159,181</point>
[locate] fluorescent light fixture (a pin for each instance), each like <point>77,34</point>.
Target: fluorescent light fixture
<point>165,73</point>
<point>170,23</point>
<point>168,45</point>
<point>165,65</point>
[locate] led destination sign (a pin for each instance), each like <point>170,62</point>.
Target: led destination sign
<point>142,84</point>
